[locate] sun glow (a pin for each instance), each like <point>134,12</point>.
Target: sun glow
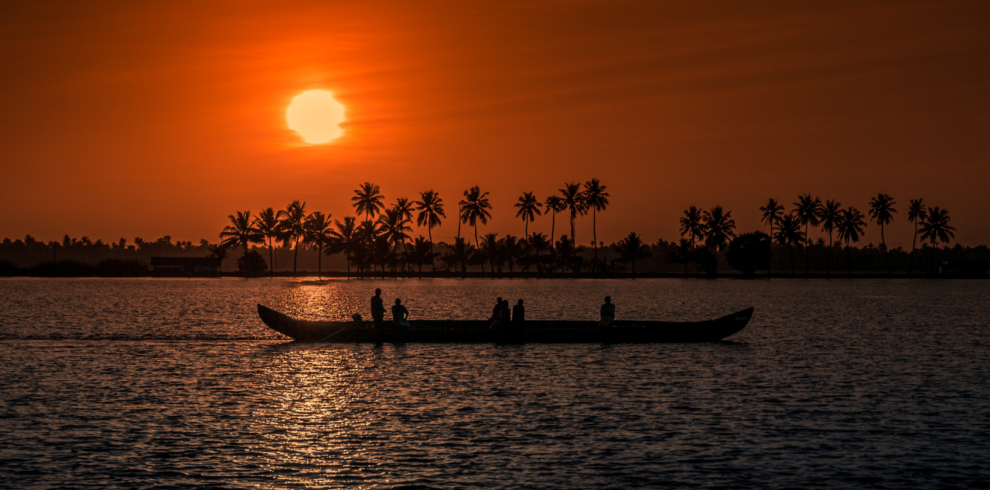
<point>316,116</point>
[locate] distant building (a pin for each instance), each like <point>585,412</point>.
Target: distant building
<point>965,268</point>
<point>185,266</point>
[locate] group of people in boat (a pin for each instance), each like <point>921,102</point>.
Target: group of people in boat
<point>502,314</point>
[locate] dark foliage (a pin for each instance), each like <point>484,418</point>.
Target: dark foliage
<point>252,264</point>
<point>749,252</point>
<point>122,268</point>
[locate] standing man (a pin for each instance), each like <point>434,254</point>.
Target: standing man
<point>377,307</point>
<point>608,313</point>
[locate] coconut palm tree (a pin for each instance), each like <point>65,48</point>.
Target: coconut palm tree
<point>554,205</point>
<point>529,209</point>
<point>596,199</point>
<point>850,228</point>
<point>293,228</point>
<point>430,207</point>
<point>367,200</point>
<point>421,252</point>
<point>631,248</point>
<point>693,225</point>
<point>513,250</point>
<point>345,240</point>
<point>491,249</point>
<point>771,214</point>
<point>241,231</point>
<point>316,231</point>
<point>475,208</point>
<point>916,215</point>
<point>218,251</point>
<point>574,201</point>
<point>538,242</point>
<point>269,223</point>
<point>395,227</point>
<point>807,212</point>
<point>830,213</point>
<point>936,228</point>
<point>789,233</point>
<point>719,227</point>
<point>881,211</point>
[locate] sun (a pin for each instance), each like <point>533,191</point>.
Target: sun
<point>316,116</point>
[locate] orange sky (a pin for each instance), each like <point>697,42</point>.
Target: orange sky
<point>153,118</point>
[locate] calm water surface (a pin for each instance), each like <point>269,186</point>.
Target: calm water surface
<point>176,383</point>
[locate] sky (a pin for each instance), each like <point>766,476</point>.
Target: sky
<point>145,119</point>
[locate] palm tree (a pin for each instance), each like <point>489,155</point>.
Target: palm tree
<point>881,210</point>
<point>491,249</point>
<point>513,249</point>
<point>368,201</point>
<point>692,225</point>
<point>807,211</point>
<point>631,248</point>
<point>293,229</point>
<point>218,251</point>
<point>269,224</point>
<point>789,233</point>
<point>422,251</point>
<point>240,232</point>
<point>316,231</point>
<point>475,207</point>
<point>430,207</point>
<point>596,199</point>
<point>936,228</point>
<point>344,239</point>
<point>850,227</point>
<point>529,209</point>
<point>394,226</point>
<point>771,213</point>
<point>682,254</point>
<point>574,201</point>
<point>830,218</point>
<point>554,205</point>
<point>538,242</point>
<point>719,227</point>
<point>916,214</point>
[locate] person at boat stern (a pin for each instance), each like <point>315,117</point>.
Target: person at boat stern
<point>608,313</point>
<point>400,315</point>
<point>519,312</point>
<point>377,307</point>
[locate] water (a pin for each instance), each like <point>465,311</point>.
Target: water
<point>175,383</point>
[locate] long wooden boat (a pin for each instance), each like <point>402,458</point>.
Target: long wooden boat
<point>539,331</point>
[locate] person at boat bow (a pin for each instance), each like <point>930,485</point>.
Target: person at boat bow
<point>377,307</point>
<point>400,315</point>
<point>607,312</point>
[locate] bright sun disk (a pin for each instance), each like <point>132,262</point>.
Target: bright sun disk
<point>316,116</point>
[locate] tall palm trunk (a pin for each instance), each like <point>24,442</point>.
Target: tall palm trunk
<point>594,238</point>
<point>271,257</point>
<point>479,248</point>
<point>849,262</point>
<point>319,261</point>
<point>553,224</point>
<point>914,242</point>
<point>807,251</point>
<point>771,250</point>
<point>295,258</point>
<point>433,263</point>
<point>573,238</point>
<point>886,259</point>
<point>790,249</point>
<point>458,220</point>
<point>828,268</point>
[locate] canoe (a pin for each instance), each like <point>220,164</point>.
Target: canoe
<point>538,331</point>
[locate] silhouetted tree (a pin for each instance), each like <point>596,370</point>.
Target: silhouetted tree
<point>218,251</point>
<point>682,254</point>
<point>367,200</point>
<point>693,225</point>
<point>771,214</point>
<point>596,199</point>
<point>916,215</point>
<point>316,231</point>
<point>850,227</point>
<point>936,229</point>
<point>749,252</point>
<point>344,240</point>
<point>574,201</point>
<point>269,225</point>
<point>554,205</point>
<point>538,242</point>
<point>830,213</point>
<point>240,232</point>
<point>789,233</point>
<point>430,207</point>
<point>394,226</point>
<point>292,228</point>
<point>475,208</point>
<point>881,210</point>
<point>807,211</point>
<point>251,264</point>
<point>631,248</point>
<point>719,227</point>
<point>529,209</point>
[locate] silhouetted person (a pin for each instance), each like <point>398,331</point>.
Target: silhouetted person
<point>505,313</point>
<point>608,312</point>
<point>497,311</point>
<point>519,312</point>
<point>400,314</point>
<point>377,307</point>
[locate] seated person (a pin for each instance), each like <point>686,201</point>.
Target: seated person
<point>519,312</point>
<point>400,314</point>
<point>608,313</point>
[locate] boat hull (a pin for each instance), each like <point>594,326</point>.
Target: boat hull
<point>548,332</point>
